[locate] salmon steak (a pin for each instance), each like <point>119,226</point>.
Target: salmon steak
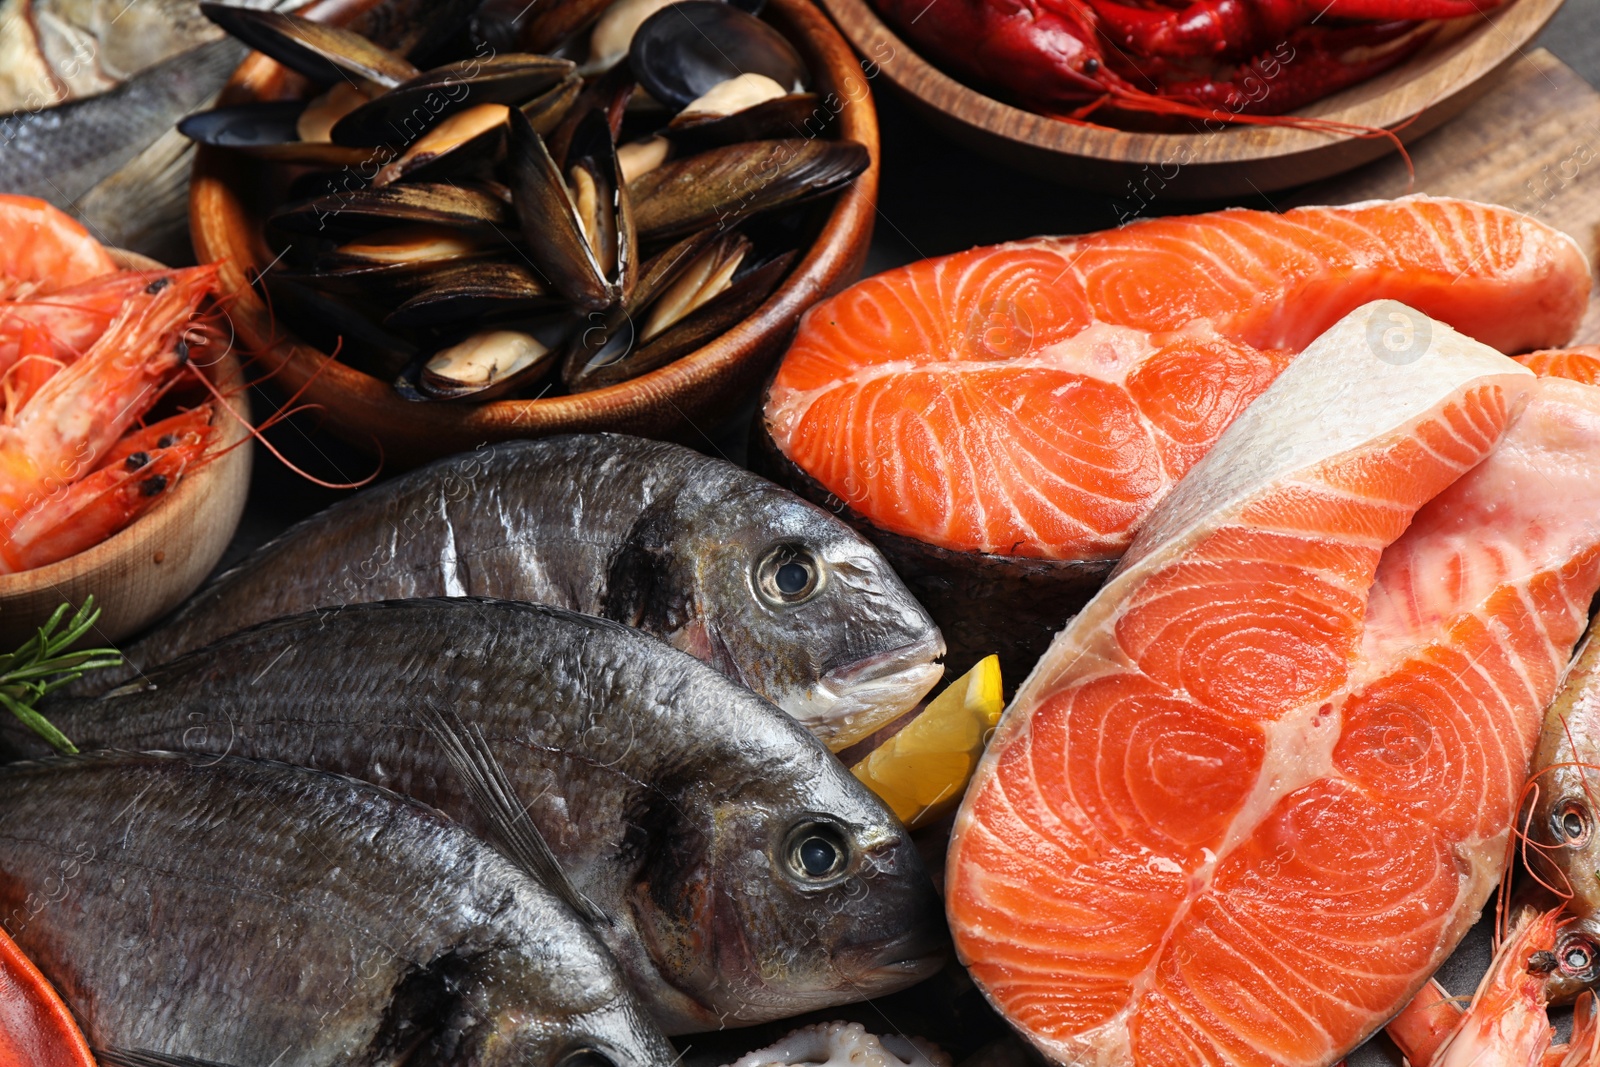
<point>1039,398</point>
<point>1257,790</point>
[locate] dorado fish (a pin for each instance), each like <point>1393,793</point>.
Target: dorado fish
<point>770,590</point>
<point>227,912</point>
<point>742,873</point>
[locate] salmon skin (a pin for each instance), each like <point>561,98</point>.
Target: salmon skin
<point>1258,789</point>
<point>674,799</point>
<point>241,913</point>
<point>770,590</point>
<point>1002,420</point>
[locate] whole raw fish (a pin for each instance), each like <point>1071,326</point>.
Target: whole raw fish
<point>246,914</point>
<point>684,806</point>
<point>772,591</point>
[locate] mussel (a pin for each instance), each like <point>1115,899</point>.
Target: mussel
<point>523,227</point>
<point>685,50</point>
<point>578,225</point>
<point>325,54</point>
<point>725,185</point>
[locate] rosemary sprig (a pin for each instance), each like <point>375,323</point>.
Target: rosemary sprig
<point>43,665</point>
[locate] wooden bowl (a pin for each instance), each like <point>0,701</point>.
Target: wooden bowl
<point>1434,85</point>
<point>152,565</point>
<point>228,202</point>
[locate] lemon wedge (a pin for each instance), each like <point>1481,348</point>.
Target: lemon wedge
<point>922,770</point>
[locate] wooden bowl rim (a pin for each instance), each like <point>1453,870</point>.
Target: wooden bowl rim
<point>846,230</point>
<point>168,515</point>
<point>1490,45</point>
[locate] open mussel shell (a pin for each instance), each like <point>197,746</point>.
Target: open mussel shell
<point>402,259</point>
<point>690,294</point>
<point>725,185</point>
<point>683,51</point>
<point>363,210</point>
<point>475,290</point>
<point>325,54</point>
<point>464,145</point>
<point>268,131</point>
<point>578,226</point>
<point>402,115</point>
<point>486,364</point>
<point>793,114</point>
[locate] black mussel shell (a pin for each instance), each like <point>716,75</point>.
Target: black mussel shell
<point>795,115</point>
<point>405,113</point>
<point>486,364</point>
<point>546,111</point>
<point>325,54</point>
<point>682,51</point>
<point>364,210</point>
<point>552,227</point>
<point>465,145</point>
<point>334,324</point>
<point>552,23</point>
<point>609,94</point>
<point>619,349</point>
<point>475,291</point>
<point>725,185</point>
<point>267,130</point>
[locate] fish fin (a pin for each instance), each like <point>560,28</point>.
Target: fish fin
<point>128,1057</point>
<point>511,828</point>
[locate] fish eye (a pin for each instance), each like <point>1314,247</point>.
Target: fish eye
<point>1570,824</point>
<point>788,574</point>
<point>585,1057</point>
<point>1577,958</point>
<point>816,852</point>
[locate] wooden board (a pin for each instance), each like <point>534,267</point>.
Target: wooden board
<point>1532,144</point>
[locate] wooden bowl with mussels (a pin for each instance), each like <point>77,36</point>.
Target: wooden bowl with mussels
<point>607,215</point>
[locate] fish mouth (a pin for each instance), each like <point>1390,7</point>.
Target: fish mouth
<point>850,702</point>
<point>885,966</point>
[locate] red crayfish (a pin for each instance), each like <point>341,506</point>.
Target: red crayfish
<point>1230,60</point>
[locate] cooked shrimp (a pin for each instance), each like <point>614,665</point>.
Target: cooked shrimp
<point>137,473</point>
<point>42,249</point>
<point>66,429</point>
<point>73,318</point>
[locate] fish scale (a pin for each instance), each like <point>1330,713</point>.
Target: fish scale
<point>1329,825</point>
<point>244,913</point>
<point>667,793</point>
<point>651,534</point>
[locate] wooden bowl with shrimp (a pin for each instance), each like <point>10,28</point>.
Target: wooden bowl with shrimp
<point>1441,80</point>
<point>148,568</point>
<point>232,195</point>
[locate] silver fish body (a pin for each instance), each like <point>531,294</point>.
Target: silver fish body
<point>772,591</point>
<point>247,913</point>
<point>675,800</point>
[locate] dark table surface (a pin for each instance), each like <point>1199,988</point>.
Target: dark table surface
<point>936,198</point>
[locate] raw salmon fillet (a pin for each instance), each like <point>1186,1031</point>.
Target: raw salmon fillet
<point>1039,398</point>
<point>1258,789</point>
